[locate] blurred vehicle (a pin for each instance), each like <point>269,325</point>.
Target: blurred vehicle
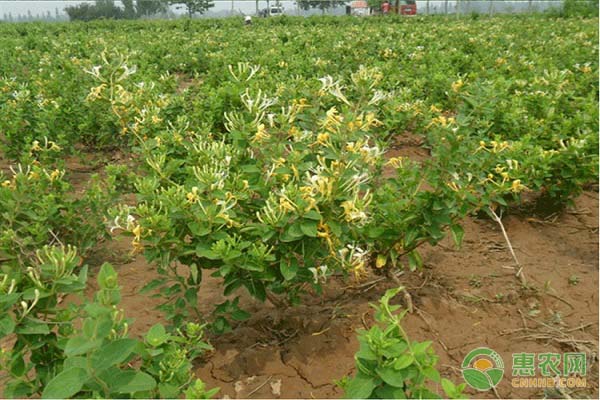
<point>273,11</point>
<point>408,7</point>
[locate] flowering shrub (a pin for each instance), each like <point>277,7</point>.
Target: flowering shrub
<point>39,208</point>
<point>283,199</point>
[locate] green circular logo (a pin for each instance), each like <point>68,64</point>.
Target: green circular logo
<point>483,369</point>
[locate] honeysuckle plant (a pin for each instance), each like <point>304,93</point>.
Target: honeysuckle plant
<point>290,195</point>
<point>38,208</point>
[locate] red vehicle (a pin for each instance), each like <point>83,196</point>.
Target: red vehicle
<point>408,7</point>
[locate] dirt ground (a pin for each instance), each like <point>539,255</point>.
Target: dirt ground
<point>464,298</point>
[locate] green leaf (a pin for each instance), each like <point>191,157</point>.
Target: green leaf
<point>206,253</point>
<point>33,328</point>
<point>7,326</point>
<point>309,228</point>
<point>156,335</point>
<point>17,389</point>
<point>66,384</point>
<point>404,361</point>
<point>107,277</point>
<point>312,214</point>
<point>197,229</point>
<point>240,315</point>
<point>365,351</point>
<point>335,227</point>
<point>17,365</point>
<point>80,345</point>
<point>414,260</point>
<point>432,374</point>
<point>360,387</point>
<point>419,348</point>
<point>390,392</point>
<point>168,391</point>
<point>292,233</point>
<point>112,354</point>
<point>9,299</point>
<point>288,268</point>
<point>79,362</point>
<point>131,381</point>
<point>457,234</point>
<point>391,376</point>
<point>449,387</point>
<point>394,350</point>
<point>152,285</point>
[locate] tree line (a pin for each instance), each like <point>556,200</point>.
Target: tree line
<point>132,9</point>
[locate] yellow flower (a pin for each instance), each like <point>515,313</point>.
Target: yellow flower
<point>54,175</point>
<point>137,232</point>
<point>395,162</point>
<point>261,134</point>
<point>517,187</point>
<point>453,186</point>
<point>352,147</point>
<point>279,162</point>
<point>54,146</point>
<point>192,196</point>
<point>323,138</point>
<point>35,146</point>
<point>286,205</point>
<point>6,183</point>
<point>457,85</point>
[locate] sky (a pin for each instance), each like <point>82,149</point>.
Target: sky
<point>16,7</point>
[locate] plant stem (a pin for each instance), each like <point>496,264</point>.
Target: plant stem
<point>520,274</point>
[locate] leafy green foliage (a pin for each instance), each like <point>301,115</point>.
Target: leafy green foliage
<point>391,366</point>
<point>39,208</point>
<point>84,350</point>
<point>262,160</point>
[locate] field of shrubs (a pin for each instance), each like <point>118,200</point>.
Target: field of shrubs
<point>269,162</point>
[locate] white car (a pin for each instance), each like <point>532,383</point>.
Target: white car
<point>275,11</point>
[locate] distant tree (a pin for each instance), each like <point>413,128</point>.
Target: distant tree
<point>321,4</point>
<point>102,9</point>
<point>151,7</point>
<point>194,6</point>
<point>129,11</point>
